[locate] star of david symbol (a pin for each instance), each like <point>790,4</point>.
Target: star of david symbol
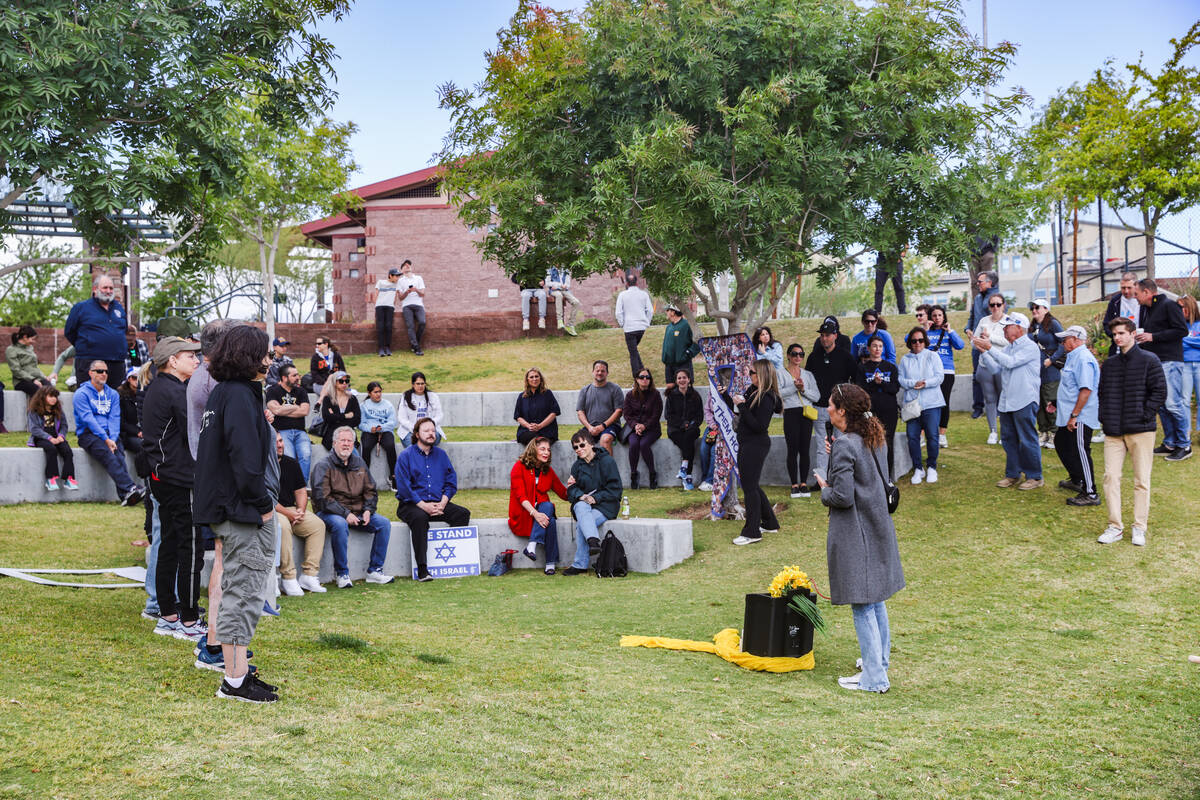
<point>444,552</point>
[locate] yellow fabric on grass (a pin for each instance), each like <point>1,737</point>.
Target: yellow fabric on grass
<point>726,645</point>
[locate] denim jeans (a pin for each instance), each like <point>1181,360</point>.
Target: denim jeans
<point>1188,386</point>
<point>527,295</point>
<point>339,537</point>
<point>928,422</point>
<point>874,644</point>
<point>297,445</point>
<point>1174,413</point>
<point>706,460</point>
<point>152,558</point>
<point>547,536</point>
<point>1018,434</point>
<point>588,521</point>
<point>113,463</point>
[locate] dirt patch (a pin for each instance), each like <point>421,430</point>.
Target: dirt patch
<point>694,512</point>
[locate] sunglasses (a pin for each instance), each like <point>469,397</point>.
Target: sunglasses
<point>100,371</point>
<point>343,380</point>
<point>643,377</point>
<point>919,341</point>
<point>579,445</point>
<point>995,305</point>
<point>796,353</point>
<point>870,322</point>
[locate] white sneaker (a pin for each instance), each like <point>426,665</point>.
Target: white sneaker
<point>379,576</point>
<point>1049,443</point>
<point>1098,437</point>
<point>942,441</point>
<point>993,438</point>
<point>1111,534</point>
<point>931,476</point>
<point>291,587</point>
<point>524,324</point>
<point>768,530</point>
<point>743,540</point>
<point>918,476</point>
<point>311,584</point>
<point>1139,537</point>
<point>705,487</point>
<point>344,582</point>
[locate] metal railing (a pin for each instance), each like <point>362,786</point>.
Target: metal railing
<point>195,312</point>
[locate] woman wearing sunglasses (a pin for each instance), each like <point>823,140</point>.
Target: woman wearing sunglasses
<point>755,410</point>
<point>324,362</point>
<point>987,373</point>
<point>338,407</point>
<point>798,391</point>
<point>943,340</point>
<point>921,379</point>
<point>594,492</point>
<point>642,411</point>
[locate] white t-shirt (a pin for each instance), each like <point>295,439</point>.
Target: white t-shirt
<point>386,297</point>
<point>412,299</point>
<point>1130,308</point>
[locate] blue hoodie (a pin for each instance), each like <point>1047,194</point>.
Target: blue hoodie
<point>98,413</point>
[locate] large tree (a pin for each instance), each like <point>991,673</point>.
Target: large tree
<point>126,103</point>
<point>1132,141</point>
<point>752,138</point>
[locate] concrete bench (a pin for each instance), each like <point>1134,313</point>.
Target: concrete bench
<point>651,546</point>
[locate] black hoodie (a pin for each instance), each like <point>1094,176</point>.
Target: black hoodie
<point>164,431</point>
<point>231,458</point>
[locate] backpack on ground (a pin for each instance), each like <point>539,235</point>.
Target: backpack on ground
<point>502,563</point>
<point>611,563</point>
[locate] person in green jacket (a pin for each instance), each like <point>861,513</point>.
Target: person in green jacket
<point>23,361</point>
<point>678,347</point>
<point>594,492</point>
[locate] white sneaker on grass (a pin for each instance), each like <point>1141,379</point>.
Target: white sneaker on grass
<point>918,476</point>
<point>291,587</point>
<point>310,583</point>
<point>1111,534</point>
<point>705,486</point>
<point>993,438</point>
<point>1139,537</point>
<point>942,440</point>
<point>344,582</point>
<point>379,576</point>
<point>931,476</point>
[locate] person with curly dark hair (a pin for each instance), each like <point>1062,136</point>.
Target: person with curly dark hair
<point>530,509</point>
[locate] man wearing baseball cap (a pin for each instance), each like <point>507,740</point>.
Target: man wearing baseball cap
<point>678,347</point>
<point>1077,415</point>
<point>385,310</point>
<point>279,360</point>
<point>1020,386</point>
<point>830,364</point>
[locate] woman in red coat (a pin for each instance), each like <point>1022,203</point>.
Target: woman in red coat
<point>530,510</point>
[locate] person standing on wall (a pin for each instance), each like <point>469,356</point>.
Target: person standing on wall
<point>889,265</point>
<point>410,290</point>
<point>385,310</point>
<point>634,312</point>
<point>558,288</point>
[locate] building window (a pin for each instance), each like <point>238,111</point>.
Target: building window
<point>356,256</point>
<point>430,190</point>
<point>1016,264</point>
<point>361,244</point>
<point>354,273</point>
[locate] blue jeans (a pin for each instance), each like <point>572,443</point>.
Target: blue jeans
<point>1174,414</point>
<point>706,459</point>
<point>152,558</point>
<point>874,644</point>
<point>527,295</point>
<point>547,536</point>
<point>1019,435</point>
<point>588,520</point>
<point>297,445</point>
<point>928,422</point>
<point>339,537</point>
<point>113,463</point>
<point>1188,386</point>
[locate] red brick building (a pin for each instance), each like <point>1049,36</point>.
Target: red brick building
<point>411,217</point>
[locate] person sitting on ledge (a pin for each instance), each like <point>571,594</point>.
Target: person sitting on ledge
<point>594,491</point>
<point>599,406</point>
<point>425,482</point>
<point>98,426</point>
<point>418,402</point>
<point>294,519</point>
<point>537,410</point>
<point>48,430</point>
<point>344,496</point>
<point>530,510</point>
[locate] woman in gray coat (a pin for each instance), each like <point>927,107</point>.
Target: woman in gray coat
<point>864,560</point>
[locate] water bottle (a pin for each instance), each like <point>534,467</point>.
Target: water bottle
<point>624,506</point>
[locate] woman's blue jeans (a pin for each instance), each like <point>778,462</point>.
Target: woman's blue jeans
<point>928,422</point>
<point>588,520</point>
<point>706,459</point>
<point>1190,385</point>
<point>874,643</point>
<point>547,536</point>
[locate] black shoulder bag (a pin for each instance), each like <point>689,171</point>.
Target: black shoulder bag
<point>889,489</point>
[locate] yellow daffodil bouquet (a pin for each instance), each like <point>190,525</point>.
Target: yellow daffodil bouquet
<point>794,583</point>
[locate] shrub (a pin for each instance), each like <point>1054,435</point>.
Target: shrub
<point>592,324</point>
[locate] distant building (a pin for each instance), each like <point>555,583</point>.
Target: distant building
<point>411,217</point>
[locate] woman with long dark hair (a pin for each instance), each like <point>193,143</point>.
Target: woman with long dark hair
<point>943,340</point>
<point>1043,330</point>
<point>418,402</point>
<point>879,378</point>
<point>755,409</point>
<point>339,407</point>
<point>530,509</point>
<point>377,426</point>
<point>684,412</point>
<point>324,362</point>
<point>863,555</point>
<point>48,430</point>
<point>642,411</point>
<point>537,409</point>
<point>798,390</point>
<point>23,361</point>
<point>920,376</point>
<point>766,347</point>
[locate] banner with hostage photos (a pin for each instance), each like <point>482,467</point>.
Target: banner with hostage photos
<point>729,359</point>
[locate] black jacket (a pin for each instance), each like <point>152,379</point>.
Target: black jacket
<point>1132,389</point>
<point>164,431</point>
<point>755,420</point>
<point>683,411</point>
<point>883,394</point>
<point>1164,318</point>
<point>235,440</point>
<point>830,369</point>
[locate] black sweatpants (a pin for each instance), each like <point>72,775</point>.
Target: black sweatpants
<point>180,555</point>
<point>53,453</point>
<point>947,386</point>
<point>632,340</point>
<point>386,440</point>
<point>797,433</point>
<point>752,455</point>
<point>1074,450</point>
<point>418,522</point>
<point>686,440</point>
<point>384,318</point>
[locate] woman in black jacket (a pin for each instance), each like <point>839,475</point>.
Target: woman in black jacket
<point>642,411</point>
<point>754,442</point>
<point>236,495</point>
<point>325,361</point>
<point>338,407</point>
<point>684,412</point>
<point>879,379</point>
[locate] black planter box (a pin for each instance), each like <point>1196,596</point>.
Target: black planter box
<point>772,629</point>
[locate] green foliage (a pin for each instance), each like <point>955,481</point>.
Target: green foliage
<point>41,295</point>
<point>803,605</point>
<point>592,324</point>
<point>751,137</point>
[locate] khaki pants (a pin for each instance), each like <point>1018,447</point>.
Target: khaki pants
<point>561,295</point>
<point>312,530</point>
<point>1140,447</point>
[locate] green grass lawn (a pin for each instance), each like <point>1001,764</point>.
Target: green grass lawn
<point>1028,661</point>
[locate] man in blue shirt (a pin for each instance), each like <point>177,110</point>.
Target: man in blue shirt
<point>1077,415</point>
<point>425,482</point>
<point>96,327</point>
<point>870,323</point>
<point>98,427</point>
<point>1021,385</point>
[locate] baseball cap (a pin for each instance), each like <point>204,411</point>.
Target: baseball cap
<point>1040,301</point>
<point>829,325</point>
<point>171,346</point>
<point>1075,330</point>
<point>129,373</point>
<point>673,307</point>
<point>279,341</point>
<point>394,271</point>
<point>175,326</point>
<point>1015,319</point>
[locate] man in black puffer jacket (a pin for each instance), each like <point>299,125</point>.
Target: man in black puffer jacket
<point>1132,389</point>
<point>1162,329</point>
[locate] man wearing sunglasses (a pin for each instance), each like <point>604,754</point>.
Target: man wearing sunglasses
<point>98,424</point>
<point>1020,376</point>
<point>986,283</point>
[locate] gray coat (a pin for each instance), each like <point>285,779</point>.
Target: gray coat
<point>864,559</point>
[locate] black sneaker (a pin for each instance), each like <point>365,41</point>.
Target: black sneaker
<point>976,413</point>
<point>593,547</point>
<point>1180,454</point>
<point>251,691</point>
<point>1073,486</point>
<point>134,497</point>
<point>575,571</point>
<point>1082,499</point>
<point>423,575</point>
<point>1163,450</point>
<point>254,677</point>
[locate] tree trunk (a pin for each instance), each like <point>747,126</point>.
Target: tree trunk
<point>1150,228</point>
<point>266,258</point>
